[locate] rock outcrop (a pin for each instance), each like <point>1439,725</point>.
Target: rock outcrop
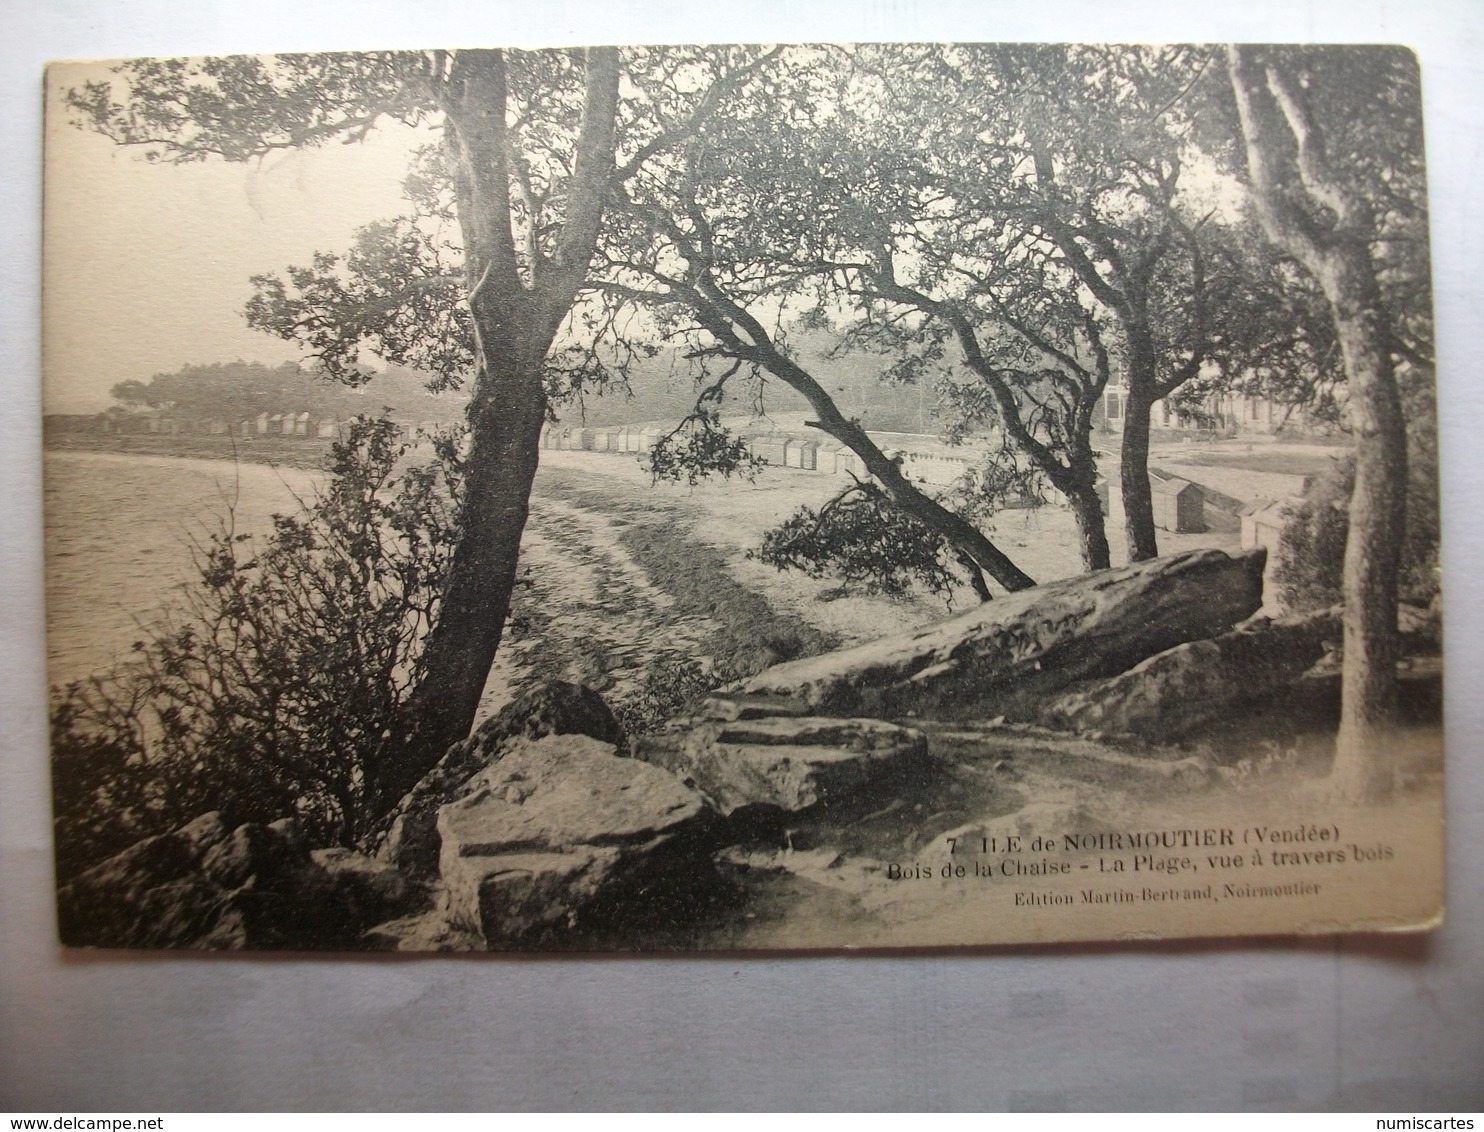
<point>371,890</point>
<point>1176,691</point>
<point>785,763</point>
<point>208,886</point>
<point>539,831</point>
<point>554,708</point>
<point>559,835</point>
<point>1007,656</point>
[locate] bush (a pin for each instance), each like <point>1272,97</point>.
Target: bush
<point>864,540</point>
<point>1312,546</point>
<point>288,664</point>
<point>671,687</point>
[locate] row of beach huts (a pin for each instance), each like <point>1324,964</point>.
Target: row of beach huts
<point>779,450</point>
<point>264,424</point>
<point>1179,504</point>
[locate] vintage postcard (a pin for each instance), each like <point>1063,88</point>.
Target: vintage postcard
<point>741,497</point>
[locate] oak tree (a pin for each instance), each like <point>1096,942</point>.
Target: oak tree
<point>1333,160</point>
<point>532,146</point>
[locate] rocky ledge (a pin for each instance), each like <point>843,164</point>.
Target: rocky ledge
<point>546,829</point>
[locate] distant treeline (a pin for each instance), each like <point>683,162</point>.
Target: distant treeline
<point>235,391</point>
<point>658,388</point>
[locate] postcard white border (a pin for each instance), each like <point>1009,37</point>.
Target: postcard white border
<point>1106,1026</point>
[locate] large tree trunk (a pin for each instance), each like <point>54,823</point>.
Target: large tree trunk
<point>1087,510</point>
<point>1292,184</point>
<point>517,299</point>
<point>1365,745</point>
<point>1138,507</point>
<point>505,445</point>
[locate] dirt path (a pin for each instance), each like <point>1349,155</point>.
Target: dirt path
<point>622,581</point>
<point>587,612</point>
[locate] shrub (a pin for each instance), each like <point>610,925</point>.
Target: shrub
<point>289,661</point>
<point>1312,546</point>
<point>863,539</point>
<point>670,688</point>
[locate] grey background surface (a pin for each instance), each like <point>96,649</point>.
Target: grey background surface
<point>1391,1024</point>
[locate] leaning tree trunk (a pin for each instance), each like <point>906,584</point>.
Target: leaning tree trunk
<point>517,301</point>
<point>953,528</point>
<point>723,317</point>
<point>1077,477</point>
<point>505,430</point>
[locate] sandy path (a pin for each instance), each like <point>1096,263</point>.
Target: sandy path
<point>585,611</point>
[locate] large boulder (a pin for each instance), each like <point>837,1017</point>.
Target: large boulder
<point>372,890</point>
<point>559,834</point>
<point>1005,657</point>
<point>1171,694</point>
<point>410,842</point>
<point>206,885</point>
<point>784,763</point>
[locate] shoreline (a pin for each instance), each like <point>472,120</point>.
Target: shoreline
<point>308,453</point>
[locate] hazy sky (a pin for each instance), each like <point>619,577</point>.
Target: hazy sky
<point>146,266</point>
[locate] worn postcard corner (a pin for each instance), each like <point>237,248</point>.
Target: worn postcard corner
<point>733,497</point>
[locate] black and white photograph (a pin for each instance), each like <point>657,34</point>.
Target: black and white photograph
<point>741,498</point>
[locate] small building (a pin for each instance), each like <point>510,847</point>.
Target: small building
<point>1262,525</point>
<point>648,438</point>
<point>263,422</point>
<point>1179,505</point>
<point>936,468</point>
<point>769,449</point>
<point>301,424</point>
<point>327,429</point>
<point>809,455</point>
<point>848,463</point>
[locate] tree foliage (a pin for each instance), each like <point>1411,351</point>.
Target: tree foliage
<point>859,537</point>
<point>699,447</point>
<point>236,391</point>
<point>703,249</point>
